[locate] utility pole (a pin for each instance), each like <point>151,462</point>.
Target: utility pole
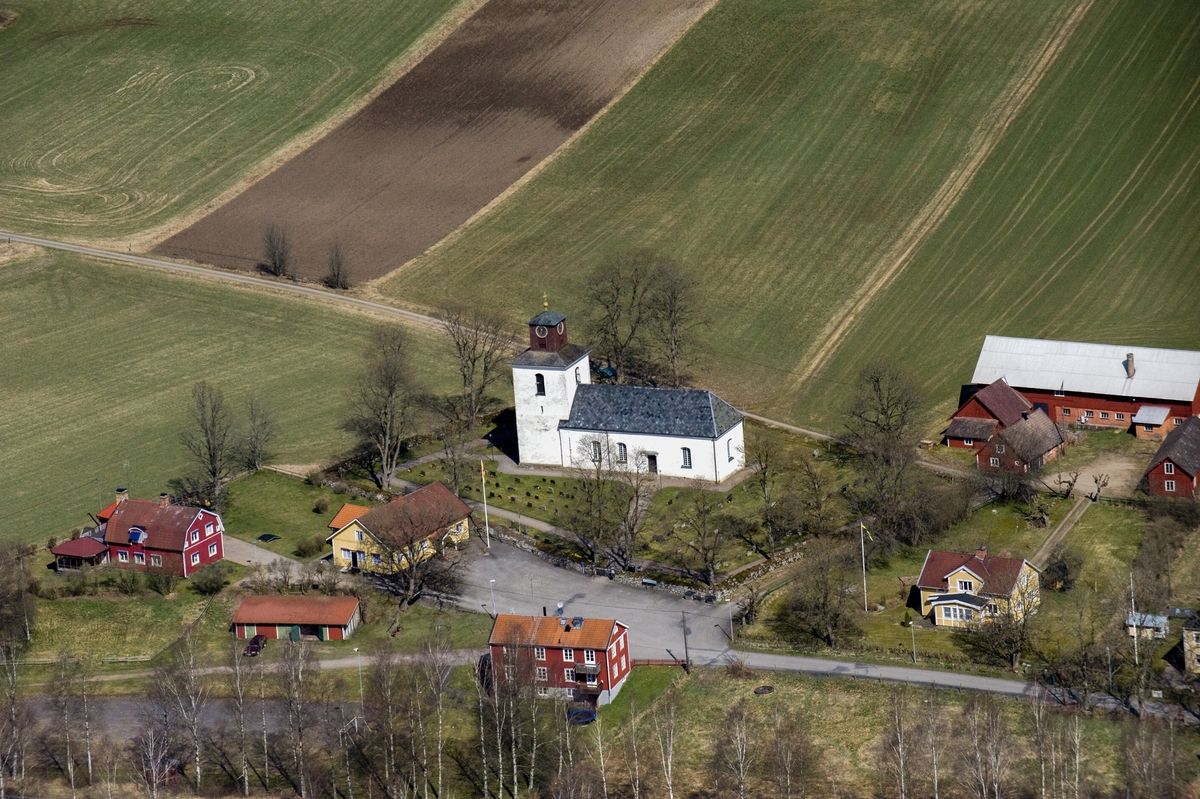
<point>1133,618</point>
<point>687,659</point>
<point>862,543</point>
<point>487,528</point>
<point>912,628</point>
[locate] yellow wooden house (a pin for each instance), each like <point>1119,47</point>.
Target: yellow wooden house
<point>408,530</point>
<point>965,589</point>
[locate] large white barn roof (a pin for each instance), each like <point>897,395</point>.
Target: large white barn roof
<point>1083,368</point>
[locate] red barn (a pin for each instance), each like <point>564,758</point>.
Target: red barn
<point>145,535</point>
<point>580,659</point>
<point>329,618</point>
<point>1173,470</point>
<point>1149,390</point>
<point>988,410</point>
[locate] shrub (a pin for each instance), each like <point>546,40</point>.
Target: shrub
<point>128,582</point>
<point>51,542</point>
<point>210,580</point>
<point>160,582</point>
<point>340,488</point>
<point>310,547</point>
<point>321,505</point>
<point>315,477</point>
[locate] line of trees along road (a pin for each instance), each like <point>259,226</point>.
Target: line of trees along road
<point>279,725</point>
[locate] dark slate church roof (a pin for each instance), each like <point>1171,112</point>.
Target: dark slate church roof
<point>650,411</point>
<point>547,319</point>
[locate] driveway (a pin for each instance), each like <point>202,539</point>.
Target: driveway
<point>240,551</point>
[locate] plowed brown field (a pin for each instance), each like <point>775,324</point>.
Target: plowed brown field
<point>496,98</point>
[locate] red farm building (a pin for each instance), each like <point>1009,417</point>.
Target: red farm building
<point>1147,390</point>
<point>145,535</point>
<point>328,618</point>
<point>1174,468</point>
<point>1004,429</point>
<point>564,658</point>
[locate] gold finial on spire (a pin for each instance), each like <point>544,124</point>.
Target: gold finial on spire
<point>545,302</point>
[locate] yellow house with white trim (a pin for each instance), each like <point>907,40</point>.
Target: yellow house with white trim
<point>404,532</point>
<point>965,589</point>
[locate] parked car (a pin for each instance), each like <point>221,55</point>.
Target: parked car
<point>255,646</point>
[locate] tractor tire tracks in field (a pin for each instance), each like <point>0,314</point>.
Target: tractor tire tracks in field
<point>992,130</point>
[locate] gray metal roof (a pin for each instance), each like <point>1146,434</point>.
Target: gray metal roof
<point>1151,414</point>
<point>1089,368</point>
<point>546,359</point>
<point>1145,620</point>
<point>650,411</point>
<point>548,319</point>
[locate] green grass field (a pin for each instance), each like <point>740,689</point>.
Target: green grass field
<point>781,150</point>
<point>120,117</point>
<point>99,361</point>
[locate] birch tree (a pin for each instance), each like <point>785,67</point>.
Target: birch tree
<point>180,684</point>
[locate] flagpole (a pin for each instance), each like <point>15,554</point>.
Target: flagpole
<point>487,527</point>
<point>863,545</point>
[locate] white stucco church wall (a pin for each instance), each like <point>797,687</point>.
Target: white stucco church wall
<point>684,433</point>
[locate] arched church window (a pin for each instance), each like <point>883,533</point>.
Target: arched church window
<point>595,452</point>
<point>540,381</point>
<point>729,448</point>
<point>577,380</point>
<point>622,454</point>
<point>687,458</point>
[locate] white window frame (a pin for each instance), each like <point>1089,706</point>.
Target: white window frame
<point>622,662</point>
<point>1120,417</point>
<point>1178,421</point>
<point>968,442</point>
<point>1089,414</point>
<point>359,535</point>
<point>595,452</point>
<point>539,385</point>
<point>966,585</point>
<point>1066,411</point>
<point>209,529</point>
<point>687,457</point>
<point>590,679</point>
<point>195,536</point>
<point>568,655</point>
<point>1060,393</point>
<point>589,656</point>
<point>195,558</point>
<point>1169,485</point>
<point>1103,414</point>
<point>347,554</point>
<point>156,560</point>
<point>569,674</point>
<point>1148,428</point>
<point>542,674</point>
<point>1168,468</point>
<point>729,448</point>
<point>139,558</point>
<point>122,556</point>
<point>995,462</point>
<point>212,549</point>
<point>622,453</point>
<point>539,653</point>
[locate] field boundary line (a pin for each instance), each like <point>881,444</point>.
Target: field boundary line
<point>392,72</point>
<point>370,288</point>
<point>979,147</point>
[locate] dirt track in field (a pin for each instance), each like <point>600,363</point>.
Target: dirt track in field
<point>497,97</point>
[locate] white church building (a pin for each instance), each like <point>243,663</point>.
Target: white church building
<point>565,420</point>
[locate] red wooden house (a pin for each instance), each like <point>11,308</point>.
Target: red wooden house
<point>1174,468</point>
<point>1146,389</point>
<point>145,535</point>
<point>577,658</point>
<point>1005,430</point>
<point>329,618</point>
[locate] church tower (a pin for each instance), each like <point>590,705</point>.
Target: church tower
<point>544,381</point>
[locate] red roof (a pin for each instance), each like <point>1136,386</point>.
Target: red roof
<point>420,514</point>
<point>165,526</point>
<point>1003,401</point>
<point>104,514</point>
<point>79,548</point>
<point>335,611</point>
<point>548,631</point>
<point>998,575</point>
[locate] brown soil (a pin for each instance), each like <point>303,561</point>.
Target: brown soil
<point>502,92</point>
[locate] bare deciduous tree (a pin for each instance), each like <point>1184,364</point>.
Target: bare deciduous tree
<point>211,440</point>
<point>899,742</point>
<point>675,320</point>
<point>619,297</point>
<point>736,750</point>
<point>337,270</point>
<point>382,401</point>
<point>821,607</point>
<point>153,756</point>
<point>181,687</point>
<point>277,251</point>
<point>261,431</point>
<point>299,672</point>
<point>664,731</point>
<point>794,760</point>
<point>407,534</point>
<point>700,535</point>
<point>883,425</point>
<point>988,754</point>
<point>600,501</point>
<point>483,343</point>
<point>239,688</point>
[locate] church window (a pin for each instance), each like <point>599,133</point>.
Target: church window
<point>577,380</point>
<point>622,454</point>
<point>729,448</point>
<point>595,452</point>
<point>540,381</point>
<point>687,458</point>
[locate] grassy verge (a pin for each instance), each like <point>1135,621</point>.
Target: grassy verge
<point>271,503</point>
<point>99,362</point>
<point>160,106</point>
<point>644,686</point>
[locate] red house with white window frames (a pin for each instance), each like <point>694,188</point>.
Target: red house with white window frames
<point>569,658</point>
<point>1174,468</point>
<point>144,535</point>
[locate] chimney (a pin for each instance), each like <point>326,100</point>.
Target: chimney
<point>122,495</point>
<point>981,552</point>
<point>164,500</point>
<point>1129,369</point>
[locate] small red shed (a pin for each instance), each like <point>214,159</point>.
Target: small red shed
<point>329,618</point>
<point>1174,468</point>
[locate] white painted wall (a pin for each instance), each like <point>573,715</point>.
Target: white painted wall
<point>710,459</point>
<point>538,416</point>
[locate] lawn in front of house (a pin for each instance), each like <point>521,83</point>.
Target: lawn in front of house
<point>269,503</point>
